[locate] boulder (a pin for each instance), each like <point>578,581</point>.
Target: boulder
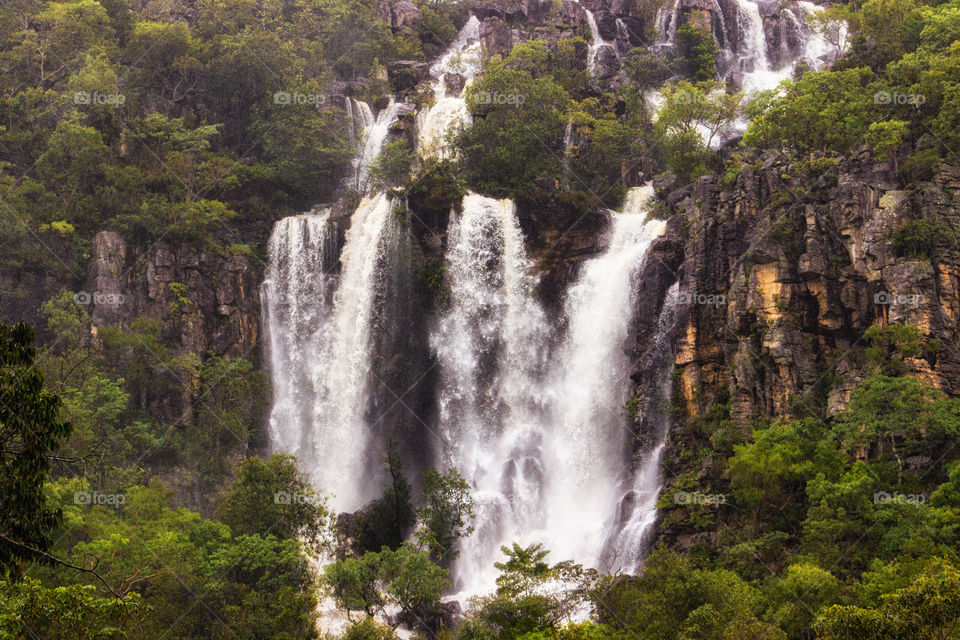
<point>406,16</point>
<point>406,74</point>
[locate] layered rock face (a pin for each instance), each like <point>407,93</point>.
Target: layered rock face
<point>783,273</point>
<point>203,301</point>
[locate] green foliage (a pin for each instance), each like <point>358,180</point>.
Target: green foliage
<point>387,521</point>
<point>232,400</point>
<point>890,345</point>
<point>697,50</point>
<point>896,83</point>
<point>74,612</point>
<point>446,513</point>
<point>404,578</point>
<point>884,30</point>
<point>769,472</point>
<point>822,110</point>
<point>272,496</point>
<point>251,586</point>
<point>675,600</point>
<point>883,406</point>
<point>435,190</point>
<point>523,606</point>
<point>688,109</point>
<point>886,137</point>
<point>928,608</point>
<point>512,144</point>
<point>392,167</point>
<point>368,629</point>
<point>918,238</point>
<point>31,431</point>
<point>601,144</point>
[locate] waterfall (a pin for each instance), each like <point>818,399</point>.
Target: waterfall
<point>297,294</point>
<point>320,344</point>
<point>758,73</point>
<point>567,152</point>
<point>491,348</point>
<point>741,40</point>
<point>588,443</point>
<point>596,41</point>
<point>361,119</point>
<point>629,540</point>
<point>449,113</point>
<point>537,429</point>
<point>374,136</point>
<point>818,51</point>
<point>746,60</point>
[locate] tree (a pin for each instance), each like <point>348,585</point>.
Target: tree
<point>28,609</point>
<point>368,629</point>
<point>794,599</point>
<point>386,522</point>
<point>902,412</point>
<point>532,596</point>
<point>697,50</point>
<point>517,131</point>
<point>446,513</point>
<point>691,116</point>
<point>770,472</point>
<point>675,600</point>
<point>413,582</point>
<point>885,30</point>
<point>822,110</point>
<point>273,497</point>
<point>928,608</point>
<point>31,432</point>
<point>405,578</point>
<point>601,144</point>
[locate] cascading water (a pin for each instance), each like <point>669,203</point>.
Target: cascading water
<point>742,41</point>
<point>449,113</point>
<point>587,444</point>
<point>743,50</point>
<point>567,153</point>
<point>597,43</point>
<point>321,346</point>
<point>297,296</point>
<point>541,438</point>
<point>629,539</point>
<point>374,135</point>
<point>491,346</point>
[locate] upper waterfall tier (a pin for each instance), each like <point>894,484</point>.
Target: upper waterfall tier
<point>374,136</point>
<point>757,49</point>
<point>449,113</point>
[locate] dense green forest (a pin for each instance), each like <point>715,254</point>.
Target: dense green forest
<point>159,121</point>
